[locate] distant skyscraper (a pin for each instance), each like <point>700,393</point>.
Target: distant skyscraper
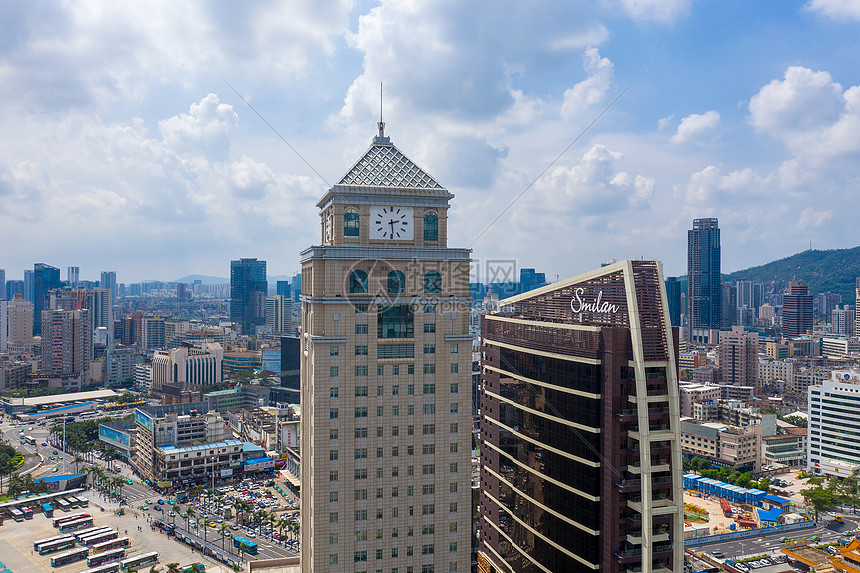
<point>3,285</point>
<point>279,314</point>
<point>827,302</point>
<point>108,280</point>
<point>530,280</point>
<point>13,288</point>
<point>296,286</point>
<point>28,285</point>
<point>704,294</point>
<point>283,289</point>
<point>45,279</point>
<point>729,306</point>
<point>73,275</point>
<point>673,294</point>
<point>4,323</point>
<point>739,357</point>
<point>796,310</point>
<point>99,304</point>
<point>66,343</point>
<point>20,325</point>
<point>248,288</point>
<point>842,321</point>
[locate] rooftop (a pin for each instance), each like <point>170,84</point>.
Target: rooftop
<point>224,444</point>
<point>58,478</point>
<point>60,398</point>
<point>383,165</point>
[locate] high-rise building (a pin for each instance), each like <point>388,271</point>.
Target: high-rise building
<point>188,368</point>
<point>704,294</point>
<point>673,295</point>
<point>66,343</point>
<point>153,330</point>
<point>832,449</point>
<point>13,288</point>
<point>580,435</point>
<point>28,285</point>
<point>248,289</point>
<point>73,275</point>
<point>385,373</point>
<point>842,321</point>
<point>45,278</point>
<point>283,288</point>
<point>857,305</point>
<point>4,324</point>
<point>108,280</point>
<point>826,302</point>
<point>99,303</point>
<point>20,325</point>
<point>738,356</point>
<point>796,310</point>
<point>296,286</point>
<point>530,280</point>
<point>729,306</point>
<point>3,294</point>
<point>279,314</point>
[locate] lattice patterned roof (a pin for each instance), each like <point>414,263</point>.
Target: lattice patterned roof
<point>385,166</point>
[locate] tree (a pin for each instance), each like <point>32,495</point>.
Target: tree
<point>819,498</point>
<point>223,530</point>
<point>189,514</point>
<point>173,567</point>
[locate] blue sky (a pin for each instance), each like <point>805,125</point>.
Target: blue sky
<point>123,147</point>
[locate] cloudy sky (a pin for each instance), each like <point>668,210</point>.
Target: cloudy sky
<point>123,146</point>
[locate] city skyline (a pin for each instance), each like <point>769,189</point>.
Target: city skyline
<point>189,163</point>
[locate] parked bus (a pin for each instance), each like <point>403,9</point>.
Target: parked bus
<point>193,568</point>
<point>63,504</point>
<point>247,546</point>
<point>81,523</point>
<point>29,440</point>
<point>110,544</point>
<point>181,496</point>
<point>17,514</point>
<point>73,502</point>
<point>49,511</point>
<point>28,513</point>
<point>69,557</point>
<point>108,568</point>
<point>58,545</point>
<point>83,502</point>
<point>91,540</point>
<point>71,517</point>
<point>87,532</point>
<point>105,557</point>
<point>132,405</point>
<point>137,562</point>
<point>36,544</point>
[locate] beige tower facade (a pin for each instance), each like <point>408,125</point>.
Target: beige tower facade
<point>386,376</point>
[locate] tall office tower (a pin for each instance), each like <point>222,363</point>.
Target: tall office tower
<point>296,286</point>
<point>279,314</point>
<point>20,324</point>
<point>796,310</point>
<point>580,432</point>
<point>3,285</point>
<point>831,447</point>
<point>827,301</point>
<point>28,285</point>
<point>99,304</point>
<point>248,289</point>
<point>283,288</point>
<point>108,280</point>
<point>738,357</point>
<point>673,295</point>
<point>73,275</point>
<point>386,347</point>
<point>4,324</point>
<point>13,288</point>
<point>291,351</point>
<point>842,321</point>
<point>729,306</point>
<point>153,332</point>
<point>530,280</point>
<point>45,279</point>
<point>703,274</point>
<point>857,306</point>
<point>66,343</point>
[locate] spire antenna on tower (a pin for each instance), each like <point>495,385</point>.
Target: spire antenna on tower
<point>381,123</point>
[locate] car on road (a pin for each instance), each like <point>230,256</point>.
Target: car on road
<point>147,501</point>
<point>718,554</point>
<point>783,539</point>
<point>157,508</point>
<point>55,451</point>
<point>56,469</point>
<point>129,482</point>
<point>234,527</point>
<point>815,538</point>
<point>144,507</point>
<point>160,502</point>
<point>44,443</point>
<point>251,534</point>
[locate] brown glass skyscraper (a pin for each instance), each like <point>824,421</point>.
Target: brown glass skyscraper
<point>796,309</point>
<point>580,452</point>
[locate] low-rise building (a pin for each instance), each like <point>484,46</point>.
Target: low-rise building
<point>691,393</point>
<point>723,445</point>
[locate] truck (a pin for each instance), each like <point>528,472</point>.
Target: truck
<point>726,507</point>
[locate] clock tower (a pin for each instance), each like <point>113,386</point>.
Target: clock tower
<point>386,375</point>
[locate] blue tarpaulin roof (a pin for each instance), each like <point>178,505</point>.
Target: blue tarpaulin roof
<point>771,515</point>
<point>58,478</point>
<point>776,499</point>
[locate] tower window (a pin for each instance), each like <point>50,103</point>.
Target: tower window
<point>431,226</point>
<point>350,223</point>
<point>396,282</point>
<point>432,282</point>
<point>358,281</point>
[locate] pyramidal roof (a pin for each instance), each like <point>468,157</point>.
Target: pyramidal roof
<point>383,165</point>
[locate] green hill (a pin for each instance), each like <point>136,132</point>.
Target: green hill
<point>834,271</point>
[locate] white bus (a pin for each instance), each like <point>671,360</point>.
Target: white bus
<point>91,540</point>
<point>36,544</point>
<point>138,561</point>
<point>87,532</point>
<point>63,504</point>
<point>58,545</point>
<point>69,557</point>
<point>109,568</point>
<point>105,557</point>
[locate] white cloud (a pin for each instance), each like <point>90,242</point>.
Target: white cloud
<point>836,9</point>
<point>204,130</point>
<point>695,125</point>
<point>812,218</point>
<point>664,122</point>
<point>591,90</point>
<point>810,113</point>
<point>663,11</point>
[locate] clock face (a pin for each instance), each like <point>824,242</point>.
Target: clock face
<point>392,223</point>
<point>328,227</point>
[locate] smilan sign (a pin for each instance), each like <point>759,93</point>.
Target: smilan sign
<point>597,306</point>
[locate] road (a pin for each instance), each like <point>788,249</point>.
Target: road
<point>769,544</point>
